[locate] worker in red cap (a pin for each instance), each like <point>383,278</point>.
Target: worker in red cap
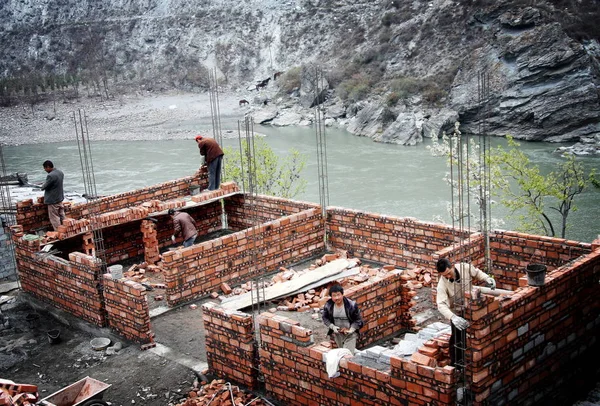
<point>212,157</point>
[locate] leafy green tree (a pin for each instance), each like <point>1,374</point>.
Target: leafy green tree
<point>271,175</point>
<point>533,196</point>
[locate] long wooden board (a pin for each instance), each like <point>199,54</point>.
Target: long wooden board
<point>283,288</point>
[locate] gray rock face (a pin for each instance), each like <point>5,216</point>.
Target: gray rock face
<point>541,88</point>
<point>367,121</point>
<point>438,122</point>
<point>543,84</point>
<point>521,18</point>
<point>405,130</point>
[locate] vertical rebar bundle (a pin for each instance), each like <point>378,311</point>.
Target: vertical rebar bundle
<point>321,146</point>
<point>483,93</point>
<point>470,170</point>
<point>89,183</point>
<point>8,216</point>
<point>249,186</point>
<point>215,112</point>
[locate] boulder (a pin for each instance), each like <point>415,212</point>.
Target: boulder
<point>405,130</point>
<point>265,115</point>
<point>367,121</point>
<point>288,118</point>
<point>336,111</point>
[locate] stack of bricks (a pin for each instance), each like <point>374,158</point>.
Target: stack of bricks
<point>295,373</point>
<point>434,352</point>
<point>198,270</point>
<point>243,211</point>
<point>32,216</point>
<point>225,189</point>
<point>402,242</point>
<point>230,338</point>
<point>17,394</point>
<point>163,191</point>
<point>16,231</point>
<point>89,247</point>
<point>151,252</point>
<point>528,346</point>
<point>70,285</point>
<point>127,309</point>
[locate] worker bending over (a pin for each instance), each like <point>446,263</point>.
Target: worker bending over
<point>456,280</point>
<point>185,225</point>
<point>212,156</point>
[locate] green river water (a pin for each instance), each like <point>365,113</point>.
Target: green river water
<point>362,174</point>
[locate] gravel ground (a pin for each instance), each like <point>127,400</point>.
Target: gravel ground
<point>154,116</point>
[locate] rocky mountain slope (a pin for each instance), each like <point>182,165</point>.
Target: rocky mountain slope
<point>396,70</point>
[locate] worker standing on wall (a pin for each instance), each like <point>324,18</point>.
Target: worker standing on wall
<point>184,224</point>
<point>212,156</point>
<point>343,318</point>
<point>54,194</point>
<point>455,280</point>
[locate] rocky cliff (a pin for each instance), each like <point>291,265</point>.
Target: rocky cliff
<point>396,71</point>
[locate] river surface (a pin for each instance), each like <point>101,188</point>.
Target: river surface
<point>362,174</point>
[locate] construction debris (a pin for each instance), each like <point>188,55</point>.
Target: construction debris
<point>313,295</point>
<point>220,393</point>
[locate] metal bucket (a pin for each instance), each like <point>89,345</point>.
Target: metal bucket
<point>536,274</point>
<point>116,271</point>
<point>53,336</point>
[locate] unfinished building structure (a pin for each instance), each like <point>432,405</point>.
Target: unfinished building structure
<point>523,347</point>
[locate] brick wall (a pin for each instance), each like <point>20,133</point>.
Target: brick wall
<point>385,307</point>
<point>512,252</point>
<point>525,348</point>
<point>198,270</point>
<point>35,215</point>
<point>69,285</point>
<point>245,211</point>
<point>127,309</point>
<point>230,337</point>
<point>401,242</point>
<point>295,373</point>
<point>293,366</point>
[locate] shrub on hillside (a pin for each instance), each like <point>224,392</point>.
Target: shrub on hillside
<point>290,80</point>
<point>354,89</point>
<point>392,99</point>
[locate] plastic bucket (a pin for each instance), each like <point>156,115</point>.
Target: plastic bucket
<point>53,336</point>
<point>536,274</point>
<point>116,271</point>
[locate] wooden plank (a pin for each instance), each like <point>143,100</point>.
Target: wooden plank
<point>284,288</point>
<point>344,274</point>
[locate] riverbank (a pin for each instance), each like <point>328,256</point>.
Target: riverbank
<point>129,117</point>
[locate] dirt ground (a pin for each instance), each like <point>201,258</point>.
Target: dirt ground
<point>137,377</point>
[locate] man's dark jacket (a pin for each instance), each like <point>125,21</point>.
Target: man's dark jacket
<point>352,313</point>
